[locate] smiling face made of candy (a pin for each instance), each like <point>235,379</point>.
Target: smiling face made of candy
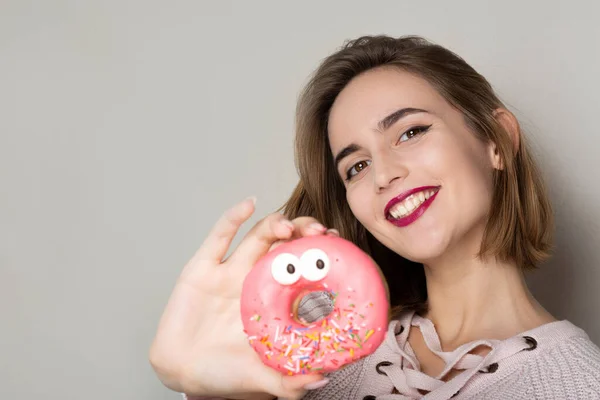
<point>328,267</point>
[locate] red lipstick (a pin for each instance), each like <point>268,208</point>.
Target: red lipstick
<point>415,214</point>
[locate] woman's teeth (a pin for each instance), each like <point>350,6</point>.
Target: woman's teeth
<point>410,204</point>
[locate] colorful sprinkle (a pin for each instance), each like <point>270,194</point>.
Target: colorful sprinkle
<point>302,349</point>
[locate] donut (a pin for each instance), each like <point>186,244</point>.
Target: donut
<point>314,268</point>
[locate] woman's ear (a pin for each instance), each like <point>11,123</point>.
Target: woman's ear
<point>511,126</point>
<point>494,155</point>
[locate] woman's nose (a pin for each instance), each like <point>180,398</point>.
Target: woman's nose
<point>386,171</point>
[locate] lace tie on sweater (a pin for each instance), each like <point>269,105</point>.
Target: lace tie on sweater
<point>410,382</point>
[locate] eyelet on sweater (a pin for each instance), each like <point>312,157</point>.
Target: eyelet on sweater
<point>382,364</point>
<point>399,330</point>
<point>369,397</point>
<point>490,369</point>
<point>531,342</point>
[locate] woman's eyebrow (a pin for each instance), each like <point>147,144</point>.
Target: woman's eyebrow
<point>346,151</point>
<point>397,115</point>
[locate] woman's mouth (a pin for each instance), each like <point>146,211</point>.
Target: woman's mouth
<point>406,208</point>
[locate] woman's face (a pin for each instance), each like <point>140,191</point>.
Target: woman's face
<point>416,177</point>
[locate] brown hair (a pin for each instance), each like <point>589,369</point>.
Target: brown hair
<point>520,223</point>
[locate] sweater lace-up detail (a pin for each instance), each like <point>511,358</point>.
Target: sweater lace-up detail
<point>410,383</point>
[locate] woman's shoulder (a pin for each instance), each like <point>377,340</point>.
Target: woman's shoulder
<point>563,361</point>
<point>557,369</point>
<point>556,337</point>
<point>571,350</point>
<point>563,345</point>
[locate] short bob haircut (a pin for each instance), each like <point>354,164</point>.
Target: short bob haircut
<point>520,224</point>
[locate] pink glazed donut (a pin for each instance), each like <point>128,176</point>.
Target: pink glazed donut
<point>274,287</point>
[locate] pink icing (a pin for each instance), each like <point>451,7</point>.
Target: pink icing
<point>355,328</point>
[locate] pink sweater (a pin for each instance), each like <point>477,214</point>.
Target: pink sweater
<point>554,361</point>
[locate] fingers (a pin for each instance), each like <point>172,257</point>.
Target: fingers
<point>260,238</point>
<point>267,234</point>
<point>219,239</point>
<point>292,387</point>
<point>307,226</point>
<point>333,232</point>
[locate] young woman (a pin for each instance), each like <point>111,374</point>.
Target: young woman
<point>405,150</point>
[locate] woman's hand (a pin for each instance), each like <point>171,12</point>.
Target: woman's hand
<point>200,347</point>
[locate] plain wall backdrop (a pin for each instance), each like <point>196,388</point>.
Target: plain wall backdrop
<point>128,127</point>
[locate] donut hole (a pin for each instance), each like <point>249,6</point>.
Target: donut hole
<point>312,307</point>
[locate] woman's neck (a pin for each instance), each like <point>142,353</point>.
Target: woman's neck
<point>472,299</point>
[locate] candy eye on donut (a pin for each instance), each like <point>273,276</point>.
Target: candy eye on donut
<point>286,269</point>
<point>315,264</point>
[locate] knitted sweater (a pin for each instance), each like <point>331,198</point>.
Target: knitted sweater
<point>553,361</point>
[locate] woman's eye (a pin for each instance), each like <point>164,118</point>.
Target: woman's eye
<point>357,168</point>
<point>412,132</point>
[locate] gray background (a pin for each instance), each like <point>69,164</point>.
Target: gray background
<point>127,127</point>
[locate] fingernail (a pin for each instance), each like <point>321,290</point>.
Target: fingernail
<point>287,223</point>
<point>318,227</point>
<point>253,199</point>
<point>316,385</point>
<point>333,232</point>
